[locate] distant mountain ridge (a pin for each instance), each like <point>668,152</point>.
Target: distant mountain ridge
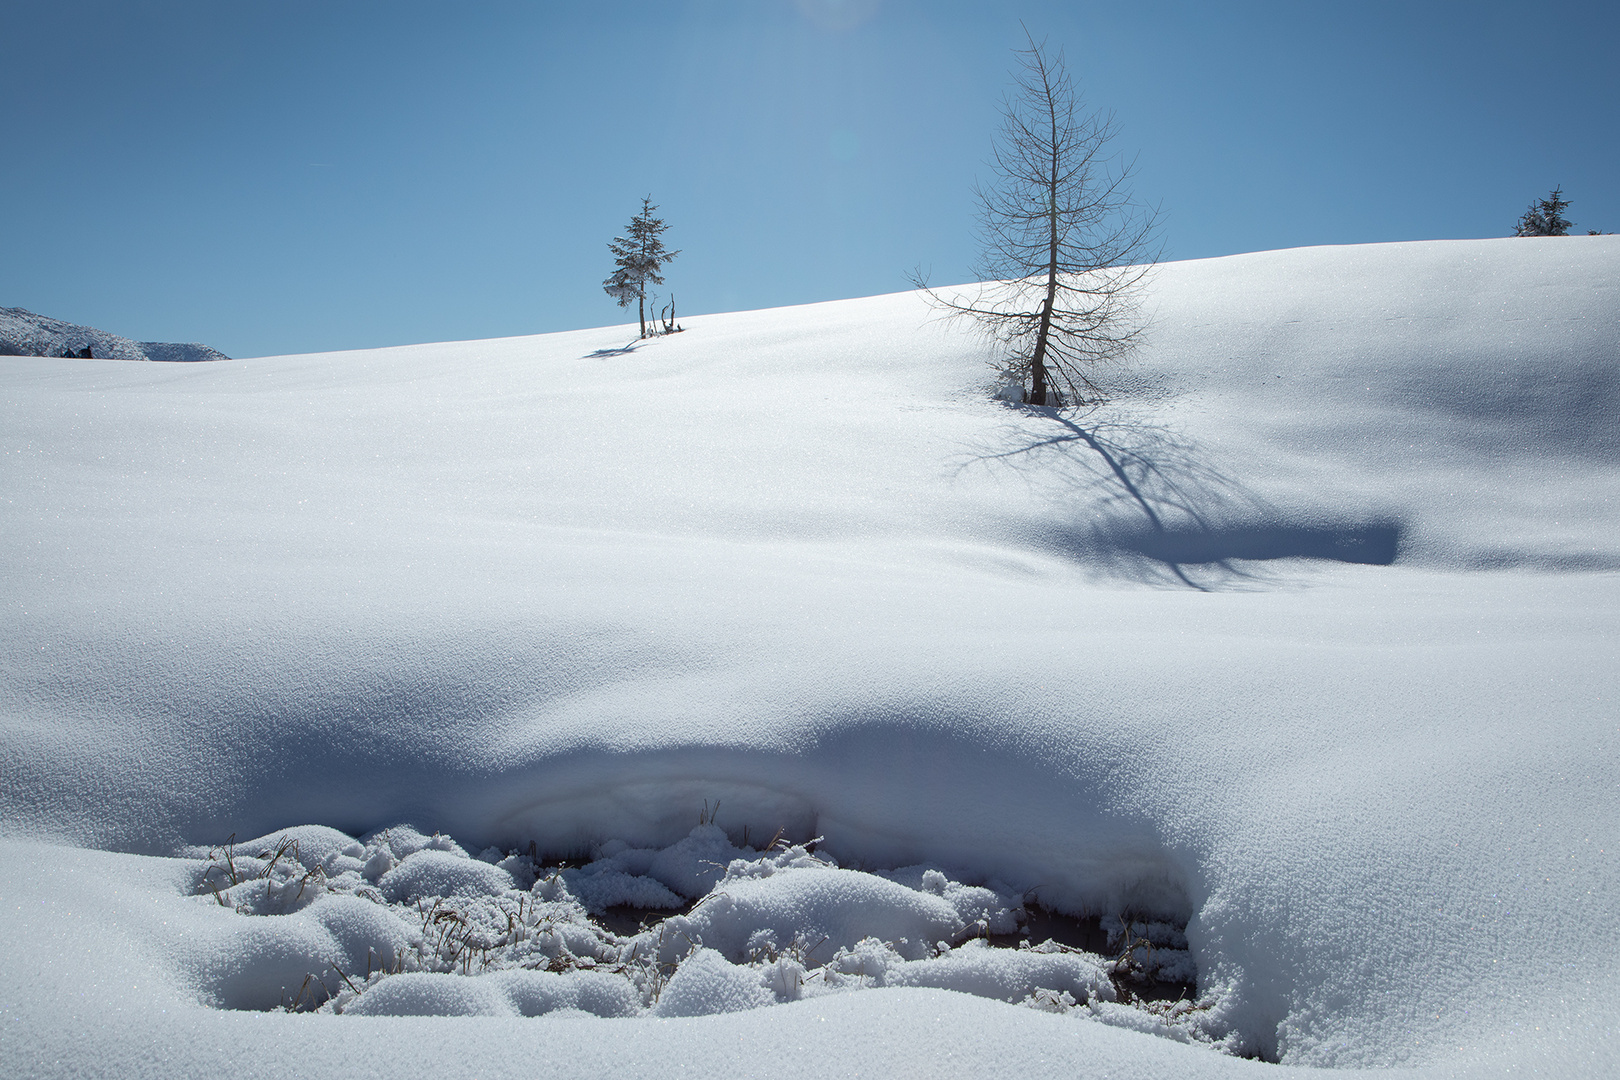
<point>23,333</point>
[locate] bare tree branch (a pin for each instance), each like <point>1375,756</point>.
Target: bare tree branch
<point>1064,249</point>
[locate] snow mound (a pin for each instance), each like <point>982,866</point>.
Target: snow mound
<point>707,984</point>
<point>440,873</point>
<point>422,993</point>
<point>23,333</point>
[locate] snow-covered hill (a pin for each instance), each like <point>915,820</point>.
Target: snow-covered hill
<point>1309,641</point>
<point>23,333</point>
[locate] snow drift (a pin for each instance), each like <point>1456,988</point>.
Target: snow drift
<point>1308,640</point>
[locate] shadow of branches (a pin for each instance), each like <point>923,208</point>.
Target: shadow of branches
<point>1147,503</point>
<point>622,350</point>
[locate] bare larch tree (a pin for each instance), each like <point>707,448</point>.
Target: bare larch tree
<point>639,259</point>
<point>1065,249</point>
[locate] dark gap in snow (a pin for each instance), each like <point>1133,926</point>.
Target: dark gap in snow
<point>1126,939</point>
<point>1077,932</point>
<point>628,920</point>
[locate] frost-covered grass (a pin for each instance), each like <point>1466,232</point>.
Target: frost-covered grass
<point>404,924</point>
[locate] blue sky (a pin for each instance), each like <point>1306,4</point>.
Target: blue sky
<point>298,176</point>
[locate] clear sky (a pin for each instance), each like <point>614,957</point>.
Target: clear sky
<point>301,176</point>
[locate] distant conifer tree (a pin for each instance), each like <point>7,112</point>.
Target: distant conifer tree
<point>1545,216</point>
<point>639,258</point>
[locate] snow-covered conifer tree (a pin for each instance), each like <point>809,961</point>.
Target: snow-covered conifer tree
<point>1545,216</point>
<point>639,258</point>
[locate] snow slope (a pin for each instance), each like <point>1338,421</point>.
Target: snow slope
<point>1310,639</point>
<point>23,333</point>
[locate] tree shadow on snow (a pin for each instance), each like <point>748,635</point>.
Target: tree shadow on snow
<point>622,350</point>
<point>1149,505</point>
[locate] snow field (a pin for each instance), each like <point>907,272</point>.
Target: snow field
<point>1309,641</point>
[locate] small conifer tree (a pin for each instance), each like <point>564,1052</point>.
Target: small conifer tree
<point>1545,216</point>
<point>639,259</point>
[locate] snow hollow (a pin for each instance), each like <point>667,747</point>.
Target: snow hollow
<point>1295,666</point>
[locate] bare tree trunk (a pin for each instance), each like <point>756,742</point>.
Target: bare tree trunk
<point>641,309</point>
<point>1037,363</point>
